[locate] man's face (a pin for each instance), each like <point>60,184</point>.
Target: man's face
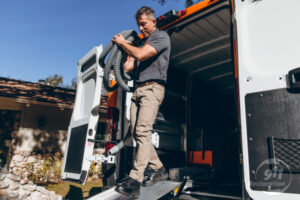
<point>146,25</point>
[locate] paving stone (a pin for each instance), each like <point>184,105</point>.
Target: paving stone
<point>23,182</point>
<point>23,194</point>
<point>53,196</point>
<point>2,176</point>
<point>35,196</point>
<point>12,195</point>
<point>31,159</point>
<point>18,158</point>
<point>12,164</point>
<point>30,188</point>
<point>42,190</point>
<point>14,186</point>
<point>13,177</point>
<point>4,185</point>
<point>45,198</point>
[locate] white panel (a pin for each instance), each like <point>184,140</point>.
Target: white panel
<point>268,47</point>
<point>88,94</point>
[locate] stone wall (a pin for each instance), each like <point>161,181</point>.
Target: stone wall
<point>13,187</point>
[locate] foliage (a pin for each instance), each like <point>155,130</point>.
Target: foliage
<point>188,3</point>
<point>95,171</point>
<point>74,83</point>
<point>48,171</point>
<point>55,80</point>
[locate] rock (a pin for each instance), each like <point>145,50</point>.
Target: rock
<point>13,177</point>
<point>12,195</point>
<point>31,159</point>
<point>18,158</point>
<point>3,170</point>
<point>14,186</point>
<point>30,188</point>
<point>22,165</point>
<point>30,183</point>
<point>15,170</point>
<point>35,196</point>
<point>53,196</point>
<point>45,198</point>
<point>23,194</point>
<point>23,181</point>
<point>2,177</point>
<point>4,185</point>
<point>4,196</point>
<point>42,190</point>
<point>12,164</point>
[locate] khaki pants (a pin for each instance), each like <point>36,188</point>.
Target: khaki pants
<point>144,107</point>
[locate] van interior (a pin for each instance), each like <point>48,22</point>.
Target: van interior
<point>199,112</point>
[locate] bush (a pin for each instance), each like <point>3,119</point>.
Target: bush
<point>95,171</point>
<point>48,171</point>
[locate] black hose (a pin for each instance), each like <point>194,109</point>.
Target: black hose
<point>114,62</point>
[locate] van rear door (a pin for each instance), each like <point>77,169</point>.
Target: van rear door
<point>267,34</point>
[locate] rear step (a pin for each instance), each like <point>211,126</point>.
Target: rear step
<point>155,191</point>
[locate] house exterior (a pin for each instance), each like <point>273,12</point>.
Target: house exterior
<point>34,119</point>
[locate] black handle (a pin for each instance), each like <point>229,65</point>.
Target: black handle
<point>294,78</point>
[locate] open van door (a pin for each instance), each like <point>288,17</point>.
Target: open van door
<point>268,70</point>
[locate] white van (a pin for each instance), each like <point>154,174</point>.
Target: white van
<point>229,120</point>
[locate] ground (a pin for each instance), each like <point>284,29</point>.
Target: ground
<point>75,191</point>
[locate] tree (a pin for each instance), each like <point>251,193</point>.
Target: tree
<point>188,3</point>
<point>74,83</point>
<point>55,80</point>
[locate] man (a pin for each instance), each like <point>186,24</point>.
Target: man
<point>150,62</point>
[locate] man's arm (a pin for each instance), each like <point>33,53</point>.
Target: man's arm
<point>141,54</point>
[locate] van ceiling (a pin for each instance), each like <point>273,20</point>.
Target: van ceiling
<point>203,46</point>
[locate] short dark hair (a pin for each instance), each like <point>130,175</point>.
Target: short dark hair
<point>149,12</point>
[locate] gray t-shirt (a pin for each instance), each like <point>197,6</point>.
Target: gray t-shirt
<point>155,68</point>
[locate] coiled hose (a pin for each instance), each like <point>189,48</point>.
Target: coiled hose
<point>114,62</point>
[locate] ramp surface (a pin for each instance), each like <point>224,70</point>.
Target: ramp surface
<point>152,192</point>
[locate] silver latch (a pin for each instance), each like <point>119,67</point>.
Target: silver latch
<point>102,158</point>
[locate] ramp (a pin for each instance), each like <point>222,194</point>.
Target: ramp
<point>152,192</point>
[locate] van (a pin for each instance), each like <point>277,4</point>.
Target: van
<point>228,125</point>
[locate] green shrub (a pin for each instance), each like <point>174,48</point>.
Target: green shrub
<point>49,170</point>
<point>95,171</point>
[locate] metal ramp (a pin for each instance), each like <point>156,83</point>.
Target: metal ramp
<point>152,192</point>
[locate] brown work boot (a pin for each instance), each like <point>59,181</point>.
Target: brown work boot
<point>130,187</point>
<point>153,176</point>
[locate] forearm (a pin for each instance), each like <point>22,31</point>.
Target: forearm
<point>141,54</point>
<point>134,51</point>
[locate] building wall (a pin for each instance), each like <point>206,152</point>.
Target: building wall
<point>41,134</point>
<point>43,128</point>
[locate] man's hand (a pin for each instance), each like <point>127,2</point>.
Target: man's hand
<point>119,39</point>
<point>141,54</point>
<point>128,64</point>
